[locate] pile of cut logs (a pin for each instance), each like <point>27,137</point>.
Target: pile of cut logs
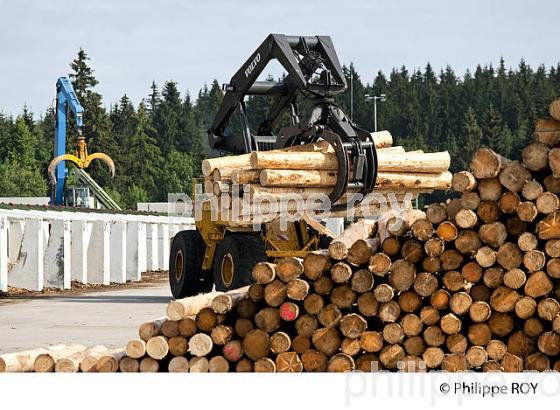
<point>473,283</point>
<point>264,176</point>
<point>63,359</point>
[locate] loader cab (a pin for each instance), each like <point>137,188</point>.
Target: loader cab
<point>77,197</point>
<point>264,142</point>
<point>241,134</point>
<point>220,253</point>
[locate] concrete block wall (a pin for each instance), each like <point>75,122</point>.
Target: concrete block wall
<point>49,248</point>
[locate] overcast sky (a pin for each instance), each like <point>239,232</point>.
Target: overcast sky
<point>132,42</point>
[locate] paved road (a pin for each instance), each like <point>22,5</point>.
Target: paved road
<point>109,318</point>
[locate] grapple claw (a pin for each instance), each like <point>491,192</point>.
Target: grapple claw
<point>53,164</point>
<point>103,157</point>
<point>80,163</point>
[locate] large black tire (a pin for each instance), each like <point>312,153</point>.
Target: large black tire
<point>324,241</point>
<point>186,277</point>
<point>234,259</point>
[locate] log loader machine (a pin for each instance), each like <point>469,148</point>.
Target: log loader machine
<point>61,194</point>
<point>221,254</point>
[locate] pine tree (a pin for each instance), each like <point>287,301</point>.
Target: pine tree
<point>123,119</point>
<point>176,175</point>
<point>97,127</point>
<point>522,135</point>
<point>258,108</point>
<point>193,138</point>
<point>27,116</point>
<point>5,126</point>
<point>167,118</point>
<point>22,143</point>
<point>208,103</point>
<point>491,126</point>
<point>21,180</point>
<point>472,140</point>
<point>380,86</point>
<point>44,135</point>
<point>154,99</point>
<point>143,160</point>
<point>352,100</point>
<point>82,76</point>
<point>505,144</point>
<point>20,174</point>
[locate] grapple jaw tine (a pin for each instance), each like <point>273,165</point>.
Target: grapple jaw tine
<point>103,157</point>
<point>79,163</point>
<point>354,148</point>
<point>357,168</point>
<point>57,160</point>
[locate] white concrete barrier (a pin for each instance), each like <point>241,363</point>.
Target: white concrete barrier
<point>99,254</point>
<point>118,239</point>
<point>3,253</point>
<point>27,271</point>
<point>57,255</point>
<point>136,251</point>
<point>48,248</point>
<point>154,248</point>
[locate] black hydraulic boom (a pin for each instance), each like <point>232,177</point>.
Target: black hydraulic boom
<point>313,70</point>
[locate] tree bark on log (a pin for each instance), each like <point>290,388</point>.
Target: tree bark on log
<point>316,263</point>
<point>339,247</point>
<point>200,344</point>
<point>157,347</point>
<point>284,160</point>
<point>135,348</point>
<point>149,365</point>
<point>46,361</point>
<point>102,360</point>
<point>178,364</point>
<point>150,329</point>
<point>547,131</point>
<point>535,156</point>
<point>489,189</point>
<point>129,365</point>
<point>71,363</point>
<point>554,110</point>
<point>223,303</point>
<point>245,176</point>
<point>463,181</point>
<point>487,164</point>
<point>514,176</point>
<point>289,268</point>
<point>182,308</point>
<point>264,272</point>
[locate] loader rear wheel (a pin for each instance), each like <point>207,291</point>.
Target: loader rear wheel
<point>186,277</point>
<point>235,257</point>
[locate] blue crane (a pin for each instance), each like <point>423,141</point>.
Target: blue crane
<point>66,99</point>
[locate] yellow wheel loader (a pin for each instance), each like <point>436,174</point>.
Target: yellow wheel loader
<point>220,253</point>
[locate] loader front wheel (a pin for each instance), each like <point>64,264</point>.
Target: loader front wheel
<point>186,277</point>
<point>235,257</point>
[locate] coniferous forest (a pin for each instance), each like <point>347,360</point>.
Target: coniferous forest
<point>158,144</point>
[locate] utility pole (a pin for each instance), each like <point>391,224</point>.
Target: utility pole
<point>351,95</point>
<point>375,114</point>
<point>375,98</point>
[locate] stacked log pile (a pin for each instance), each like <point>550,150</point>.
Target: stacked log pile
<point>263,176</point>
<point>473,283</point>
<point>63,359</point>
<point>469,284</point>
